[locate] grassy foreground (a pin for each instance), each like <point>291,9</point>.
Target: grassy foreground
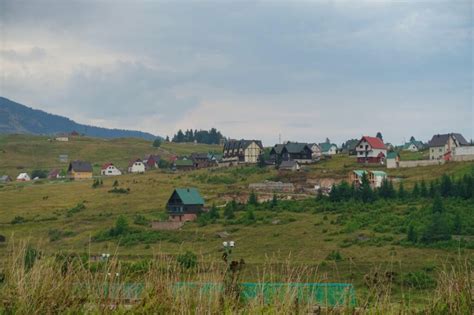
<point>33,283</point>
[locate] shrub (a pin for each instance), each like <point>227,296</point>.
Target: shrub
<point>78,208</point>
<point>141,220</point>
<point>187,260</point>
<point>419,280</point>
<point>334,255</point>
<point>39,174</point>
<point>18,220</point>
<point>116,190</point>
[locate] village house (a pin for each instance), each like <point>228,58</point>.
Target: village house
<point>413,146</point>
<point>375,178</point>
<point>300,152</point>
<point>62,138</point>
<point>242,151</point>
<point>201,160</point>
<point>151,161</point>
<point>275,153</point>
<point>79,170</point>
<point>183,165</point>
<point>393,159</point>
<point>5,179</point>
<point>315,151</point>
<point>328,149</point>
<point>371,150</point>
<point>55,174</point>
<point>442,146</point>
<point>289,166</point>
<point>136,166</point>
<point>109,169</point>
<point>185,204</point>
<point>23,177</point>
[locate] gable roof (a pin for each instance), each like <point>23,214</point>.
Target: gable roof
<point>379,173</point>
<point>359,173</point>
<point>374,142</point>
<point>189,196</point>
<point>54,173</point>
<point>392,155</point>
<point>440,140</point>
<point>104,167</point>
<point>241,144</point>
<point>5,178</point>
<point>416,143</point>
<point>277,148</point>
<point>80,166</point>
<point>295,147</point>
<point>325,147</point>
<point>133,161</point>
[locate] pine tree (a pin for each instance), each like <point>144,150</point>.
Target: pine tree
<point>252,199</point>
<point>401,192</point>
<point>423,189</point>
<point>379,135</point>
<point>274,202</point>
<point>437,204</point>
<point>229,210</point>
<point>213,212</point>
<point>416,191</point>
<point>446,186</point>
<point>366,192</point>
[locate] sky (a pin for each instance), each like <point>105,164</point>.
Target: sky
<point>305,70</point>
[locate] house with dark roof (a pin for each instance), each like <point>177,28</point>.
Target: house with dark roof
<point>442,145</point>
<point>300,152</point>
<point>184,204</point>
<point>291,165</point>
<point>79,170</point>
<point>275,153</point>
<point>55,174</point>
<point>242,151</point>
<point>371,150</point>
<point>202,160</point>
<point>5,179</point>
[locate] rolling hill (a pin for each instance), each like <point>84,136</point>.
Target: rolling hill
<point>20,119</point>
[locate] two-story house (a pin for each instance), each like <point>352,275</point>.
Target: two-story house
<point>242,151</point>
<point>371,150</point>
<point>442,146</point>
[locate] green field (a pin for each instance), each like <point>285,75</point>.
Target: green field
<point>302,233</point>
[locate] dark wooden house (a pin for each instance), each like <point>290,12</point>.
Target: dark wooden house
<point>296,152</point>
<point>185,204</point>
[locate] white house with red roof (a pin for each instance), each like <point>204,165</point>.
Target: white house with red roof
<point>109,169</point>
<point>371,150</point>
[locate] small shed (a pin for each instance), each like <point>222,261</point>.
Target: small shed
<point>290,166</point>
<point>185,204</point>
<point>183,165</point>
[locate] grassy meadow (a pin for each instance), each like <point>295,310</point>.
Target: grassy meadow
<point>345,242</point>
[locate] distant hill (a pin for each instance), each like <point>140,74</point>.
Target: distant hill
<point>20,119</point>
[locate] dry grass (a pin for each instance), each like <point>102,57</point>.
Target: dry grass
<point>52,285</point>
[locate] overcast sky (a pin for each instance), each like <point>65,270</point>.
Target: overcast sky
<point>305,70</point>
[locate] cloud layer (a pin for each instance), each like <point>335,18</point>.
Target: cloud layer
<point>305,70</point>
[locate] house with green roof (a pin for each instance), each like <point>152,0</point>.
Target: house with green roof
<point>183,165</point>
<point>184,204</point>
<point>413,146</point>
<point>328,149</point>
<point>393,158</point>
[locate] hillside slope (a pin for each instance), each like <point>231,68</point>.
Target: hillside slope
<point>18,118</point>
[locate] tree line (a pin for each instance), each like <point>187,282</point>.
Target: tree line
<point>211,136</point>
<point>462,187</point>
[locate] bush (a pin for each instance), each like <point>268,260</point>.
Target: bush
<point>187,260</point>
<point>141,220</point>
<point>78,208</point>
<point>157,143</point>
<point>116,190</point>
<point>39,174</point>
<point>419,280</point>
<point>334,255</point>
<point>18,220</point>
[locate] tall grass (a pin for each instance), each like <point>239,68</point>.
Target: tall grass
<point>36,283</point>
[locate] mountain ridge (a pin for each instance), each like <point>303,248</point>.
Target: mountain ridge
<point>19,118</point>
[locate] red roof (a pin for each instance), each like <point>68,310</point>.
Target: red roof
<point>374,142</point>
<point>104,167</point>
